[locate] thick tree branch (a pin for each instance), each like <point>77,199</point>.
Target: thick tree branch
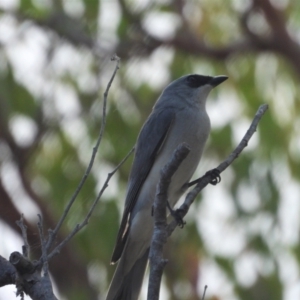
<point>29,279</point>
<point>7,272</point>
<point>159,238</point>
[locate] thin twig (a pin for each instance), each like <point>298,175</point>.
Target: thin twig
<point>53,233</point>
<point>44,258</point>
<point>23,227</point>
<point>205,180</point>
<point>86,220</point>
<point>204,292</point>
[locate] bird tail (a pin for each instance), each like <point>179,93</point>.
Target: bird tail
<point>127,285</point>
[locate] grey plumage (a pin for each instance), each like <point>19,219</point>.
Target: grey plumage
<point>179,115</point>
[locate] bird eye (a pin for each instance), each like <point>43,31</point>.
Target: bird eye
<point>192,79</point>
<point>195,81</point>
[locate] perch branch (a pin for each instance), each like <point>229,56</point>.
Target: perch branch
<point>205,180</point>
<point>159,238</point>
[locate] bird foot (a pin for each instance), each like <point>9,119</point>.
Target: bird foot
<point>214,174</point>
<point>176,214</point>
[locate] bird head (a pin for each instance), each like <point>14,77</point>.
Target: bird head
<point>191,89</point>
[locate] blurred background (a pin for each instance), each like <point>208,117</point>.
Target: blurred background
<point>242,236</point>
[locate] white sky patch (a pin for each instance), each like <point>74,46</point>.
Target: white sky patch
<point>9,292</point>
<point>261,224</point>
<point>289,274</point>
<point>245,267</point>
<point>8,28</point>
<point>289,214</point>
<point>76,130</point>
<point>152,71</point>
<point>215,279</point>
<point>126,106</point>
<point>108,20</point>
<point>289,206</point>
<point>97,274</point>
<point>67,59</point>
<point>248,197</point>
<point>239,128</point>
<point>161,25</point>
<point>292,291</point>
<point>225,109</point>
<point>110,15</point>
<point>266,69</point>
<point>258,24</point>
<point>66,100</point>
<point>87,82</point>
<point>14,243</point>
<point>28,57</point>
<point>75,8</point>
<point>9,4</point>
<point>221,235</point>
<point>13,186</point>
<point>283,101</point>
<point>112,189</point>
<point>23,130</point>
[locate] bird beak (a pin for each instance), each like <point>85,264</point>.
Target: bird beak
<point>217,80</point>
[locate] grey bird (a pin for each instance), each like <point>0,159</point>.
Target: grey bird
<point>178,116</point>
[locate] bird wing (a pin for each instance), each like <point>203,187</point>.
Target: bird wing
<point>150,141</point>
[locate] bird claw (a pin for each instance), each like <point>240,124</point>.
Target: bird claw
<point>176,214</point>
<point>215,176</point>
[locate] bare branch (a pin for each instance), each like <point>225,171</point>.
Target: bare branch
<point>159,238</point>
<point>86,220</point>
<point>205,180</point>
<point>7,272</point>
<point>204,292</point>
<point>29,279</point>
<point>23,227</point>
<point>53,233</point>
